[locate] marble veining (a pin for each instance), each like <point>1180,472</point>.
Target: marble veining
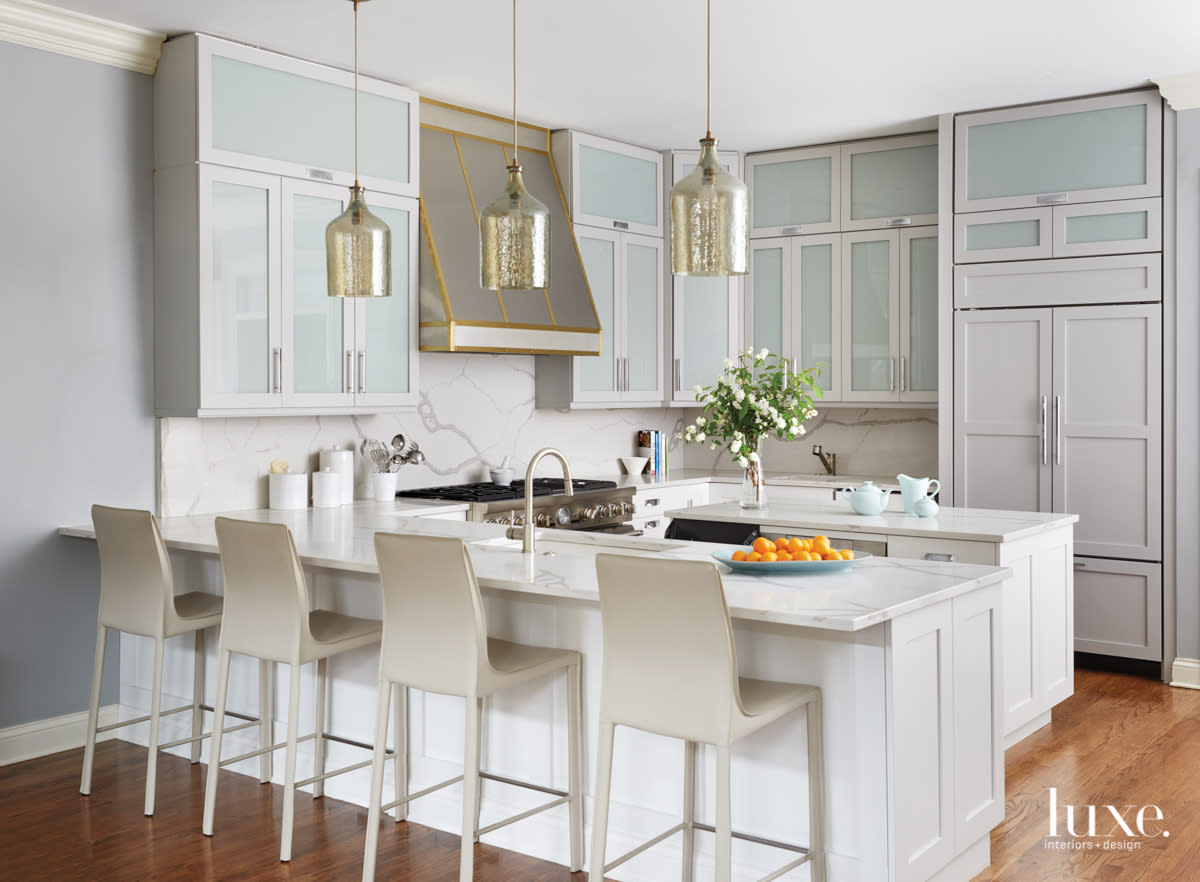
<point>342,539</point>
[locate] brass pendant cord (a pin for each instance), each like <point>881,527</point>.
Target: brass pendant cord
<point>514,161</point>
<point>355,93</point>
<point>707,75</point>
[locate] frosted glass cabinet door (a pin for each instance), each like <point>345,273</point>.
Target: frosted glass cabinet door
<point>616,186</point>
<point>239,265</point>
<point>318,330</point>
<point>918,314</point>
<point>642,311</point>
<point>794,191</point>
<point>706,323</point>
<point>891,182</point>
<point>595,376</point>
<point>816,309</point>
<point>385,358</point>
<point>871,270</point>
<point>1019,234</point>
<point>768,287</point>
<point>1086,150</point>
<point>275,113</point>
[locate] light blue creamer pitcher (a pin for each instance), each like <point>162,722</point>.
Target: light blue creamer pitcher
<point>914,489</point>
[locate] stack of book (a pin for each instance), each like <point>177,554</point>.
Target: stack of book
<point>652,444</point>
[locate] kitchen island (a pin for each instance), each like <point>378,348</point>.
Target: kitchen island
<point>1039,607</point>
<point>906,653</point>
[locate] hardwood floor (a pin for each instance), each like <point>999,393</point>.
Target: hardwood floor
<point>1119,740</point>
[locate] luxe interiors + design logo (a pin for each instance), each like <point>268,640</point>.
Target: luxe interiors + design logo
<point>1106,827</point>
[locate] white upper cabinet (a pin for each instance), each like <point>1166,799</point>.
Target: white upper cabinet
<point>612,185</point>
<point>229,104</point>
<point>794,191</point>
<point>1087,150</point>
<point>890,182</point>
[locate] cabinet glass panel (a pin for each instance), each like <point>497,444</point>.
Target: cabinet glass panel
<point>768,299</point>
<point>240,276</point>
<point>1006,234</point>
<point>705,304</point>
<point>816,311</point>
<point>617,186</point>
<point>870,317</point>
<point>923,315</point>
<point>1128,225</point>
<point>796,192</point>
<point>317,318</point>
<point>642,276</point>
<point>894,183</point>
<point>387,318</point>
<point>1071,151</point>
<point>279,115</point>
<point>596,373</point>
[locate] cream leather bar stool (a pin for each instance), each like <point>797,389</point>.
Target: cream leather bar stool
<point>435,639</point>
<point>670,668</point>
<point>267,616</point>
<point>137,596</point>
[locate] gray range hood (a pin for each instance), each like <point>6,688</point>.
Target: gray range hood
<point>459,173</point>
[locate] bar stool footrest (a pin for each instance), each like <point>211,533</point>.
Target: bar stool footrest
<point>666,834</point>
<point>420,793</point>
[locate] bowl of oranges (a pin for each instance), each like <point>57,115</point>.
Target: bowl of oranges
<point>789,554</point>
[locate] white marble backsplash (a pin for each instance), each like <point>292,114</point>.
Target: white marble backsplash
<point>474,411</point>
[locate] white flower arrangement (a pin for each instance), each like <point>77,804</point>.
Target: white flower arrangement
<point>756,396</point>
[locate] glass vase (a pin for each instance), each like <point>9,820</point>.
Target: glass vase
<point>754,489</point>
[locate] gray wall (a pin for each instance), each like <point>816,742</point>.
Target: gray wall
<point>76,358</point>
<point>1187,281</point>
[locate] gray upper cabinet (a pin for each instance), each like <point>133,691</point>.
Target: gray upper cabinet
<point>1086,150</point>
<point>890,182</point>
<point>795,191</point>
<point>611,185</point>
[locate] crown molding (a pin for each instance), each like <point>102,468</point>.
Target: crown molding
<point>80,36</point>
<point>1182,91</point>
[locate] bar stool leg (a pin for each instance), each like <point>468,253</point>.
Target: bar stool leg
<point>400,753</point>
<point>604,757</point>
<point>155,708</point>
<point>319,741</point>
<point>214,756</point>
<point>689,809</point>
<point>724,829</point>
<point>376,795</point>
<point>478,766</point>
<point>89,751</point>
<point>466,867</point>
<point>575,763</point>
<point>289,772</point>
<point>197,694</point>
<point>266,731</point>
<point>816,791</point>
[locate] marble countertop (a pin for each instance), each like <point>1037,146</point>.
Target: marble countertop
<point>679,477</point>
<point>342,539</point>
<point>976,524</point>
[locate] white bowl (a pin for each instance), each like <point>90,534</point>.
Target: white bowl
<point>633,465</point>
<point>501,476</point>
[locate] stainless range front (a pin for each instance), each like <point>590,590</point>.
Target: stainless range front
<point>599,506</point>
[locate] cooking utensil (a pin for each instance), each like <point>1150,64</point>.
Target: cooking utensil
<point>414,456</point>
<point>398,442</point>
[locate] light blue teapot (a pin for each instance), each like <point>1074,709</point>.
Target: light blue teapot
<point>868,499</point>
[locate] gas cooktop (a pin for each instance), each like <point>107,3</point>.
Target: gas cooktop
<point>485,491</point>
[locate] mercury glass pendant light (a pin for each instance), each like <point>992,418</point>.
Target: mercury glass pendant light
<point>709,208</point>
<point>358,245</point>
<point>514,231</point>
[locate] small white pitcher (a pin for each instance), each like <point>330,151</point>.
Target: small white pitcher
<point>913,489</point>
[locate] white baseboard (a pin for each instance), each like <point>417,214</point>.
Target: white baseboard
<point>44,737</point>
<point>1185,672</point>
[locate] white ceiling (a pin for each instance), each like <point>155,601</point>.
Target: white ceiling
<point>785,73</point>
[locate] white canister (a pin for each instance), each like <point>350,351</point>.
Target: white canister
<point>341,463</point>
<point>326,488</point>
<point>287,490</point>
<point>383,485</point>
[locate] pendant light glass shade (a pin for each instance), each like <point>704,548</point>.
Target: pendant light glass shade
<point>710,211</point>
<point>514,239</point>
<point>358,252</point>
<point>514,231</point>
<point>358,245</point>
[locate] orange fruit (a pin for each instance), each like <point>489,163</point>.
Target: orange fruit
<point>783,555</point>
<point>847,554</point>
<point>738,555</point>
<point>781,544</point>
<point>762,545</point>
<point>753,556</point>
<point>820,544</point>
<point>830,555</point>
<point>807,543</point>
<point>795,545</point>
<point>770,556</point>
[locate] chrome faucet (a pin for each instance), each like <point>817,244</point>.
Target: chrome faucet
<point>829,460</point>
<point>529,529</point>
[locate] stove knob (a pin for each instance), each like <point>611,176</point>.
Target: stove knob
<point>544,520</point>
<point>627,508</point>
<point>607,511</point>
<point>489,520</point>
<point>585,514</point>
<point>502,520</point>
<point>518,520</point>
<point>562,515</point>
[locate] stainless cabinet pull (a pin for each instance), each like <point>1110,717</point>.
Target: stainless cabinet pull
<point>652,502</point>
<point>650,525</point>
<point>349,370</point>
<point>903,371</point>
<point>276,368</point>
<point>320,174</point>
<point>678,375</point>
<point>789,231</point>
<point>1044,433</point>
<point>621,225</point>
<point>900,222</point>
<point>943,556</point>
<point>1057,430</point>
<point>362,370</point>
<point>1080,566</point>
<point>891,375</point>
<point>1051,198</point>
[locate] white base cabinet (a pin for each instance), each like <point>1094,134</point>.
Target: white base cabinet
<point>1118,608</point>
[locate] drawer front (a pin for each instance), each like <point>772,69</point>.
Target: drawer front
<point>1134,278</point>
<point>1118,608</point>
<point>1020,234</point>
<point>930,548</point>
<point>447,516</point>
<point>654,527</point>
<point>1121,227</point>
<point>653,501</point>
